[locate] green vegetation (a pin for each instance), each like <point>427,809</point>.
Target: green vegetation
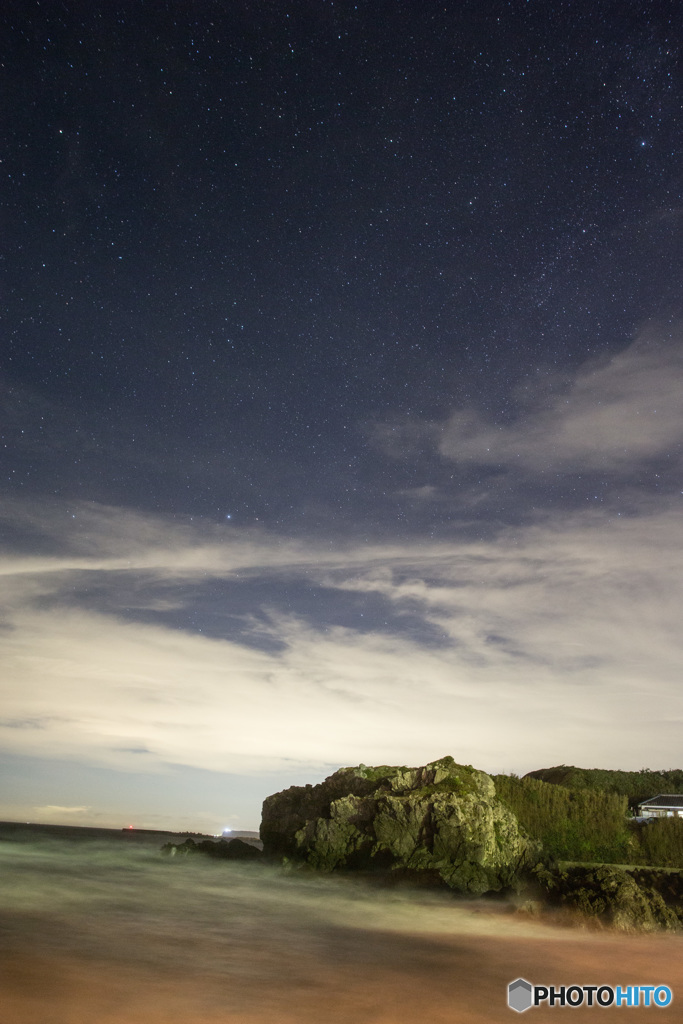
<point>577,825</point>
<point>590,825</point>
<point>442,776</point>
<point>661,843</point>
<point>382,771</point>
<point>636,786</point>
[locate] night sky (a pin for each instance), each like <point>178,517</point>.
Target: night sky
<point>341,383</point>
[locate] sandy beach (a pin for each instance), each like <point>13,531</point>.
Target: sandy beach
<point>342,976</point>
<point>118,934</point>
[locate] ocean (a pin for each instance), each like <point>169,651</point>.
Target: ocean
<point>98,927</point>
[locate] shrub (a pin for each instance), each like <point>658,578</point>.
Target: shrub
<point>659,843</point>
<point>579,824</point>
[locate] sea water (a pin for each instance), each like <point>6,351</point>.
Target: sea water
<point>105,931</point>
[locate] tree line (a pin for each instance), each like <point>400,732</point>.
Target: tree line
<point>636,786</point>
<point>583,823</point>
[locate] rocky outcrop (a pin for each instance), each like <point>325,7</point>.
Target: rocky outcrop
<point>235,849</point>
<point>612,896</point>
<point>442,821</point>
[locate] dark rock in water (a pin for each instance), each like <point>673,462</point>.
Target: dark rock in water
<point>613,896</point>
<point>442,821</point>
<point>235,849</point>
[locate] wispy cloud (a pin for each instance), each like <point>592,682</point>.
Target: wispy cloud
<point>553,643</point>
<point>48,810</point>
<point>408,437</point>
<point>616,414</point>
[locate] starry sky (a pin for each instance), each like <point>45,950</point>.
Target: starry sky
<point>341,370</point>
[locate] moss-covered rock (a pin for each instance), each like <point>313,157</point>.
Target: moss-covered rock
<point>614,897</point>
<point>441,820</point>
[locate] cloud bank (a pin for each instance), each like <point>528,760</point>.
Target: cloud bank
<point>138,642</point>
<point>551,645</point>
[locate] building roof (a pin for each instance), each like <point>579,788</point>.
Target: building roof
<point>664,800</point>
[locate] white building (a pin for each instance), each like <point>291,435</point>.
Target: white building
<point>666,805</point>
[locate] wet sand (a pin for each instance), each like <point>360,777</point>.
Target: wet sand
<point>384,979</point>
<point>104,940</point>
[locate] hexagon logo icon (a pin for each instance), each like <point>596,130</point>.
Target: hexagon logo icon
<point>520,996</point>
